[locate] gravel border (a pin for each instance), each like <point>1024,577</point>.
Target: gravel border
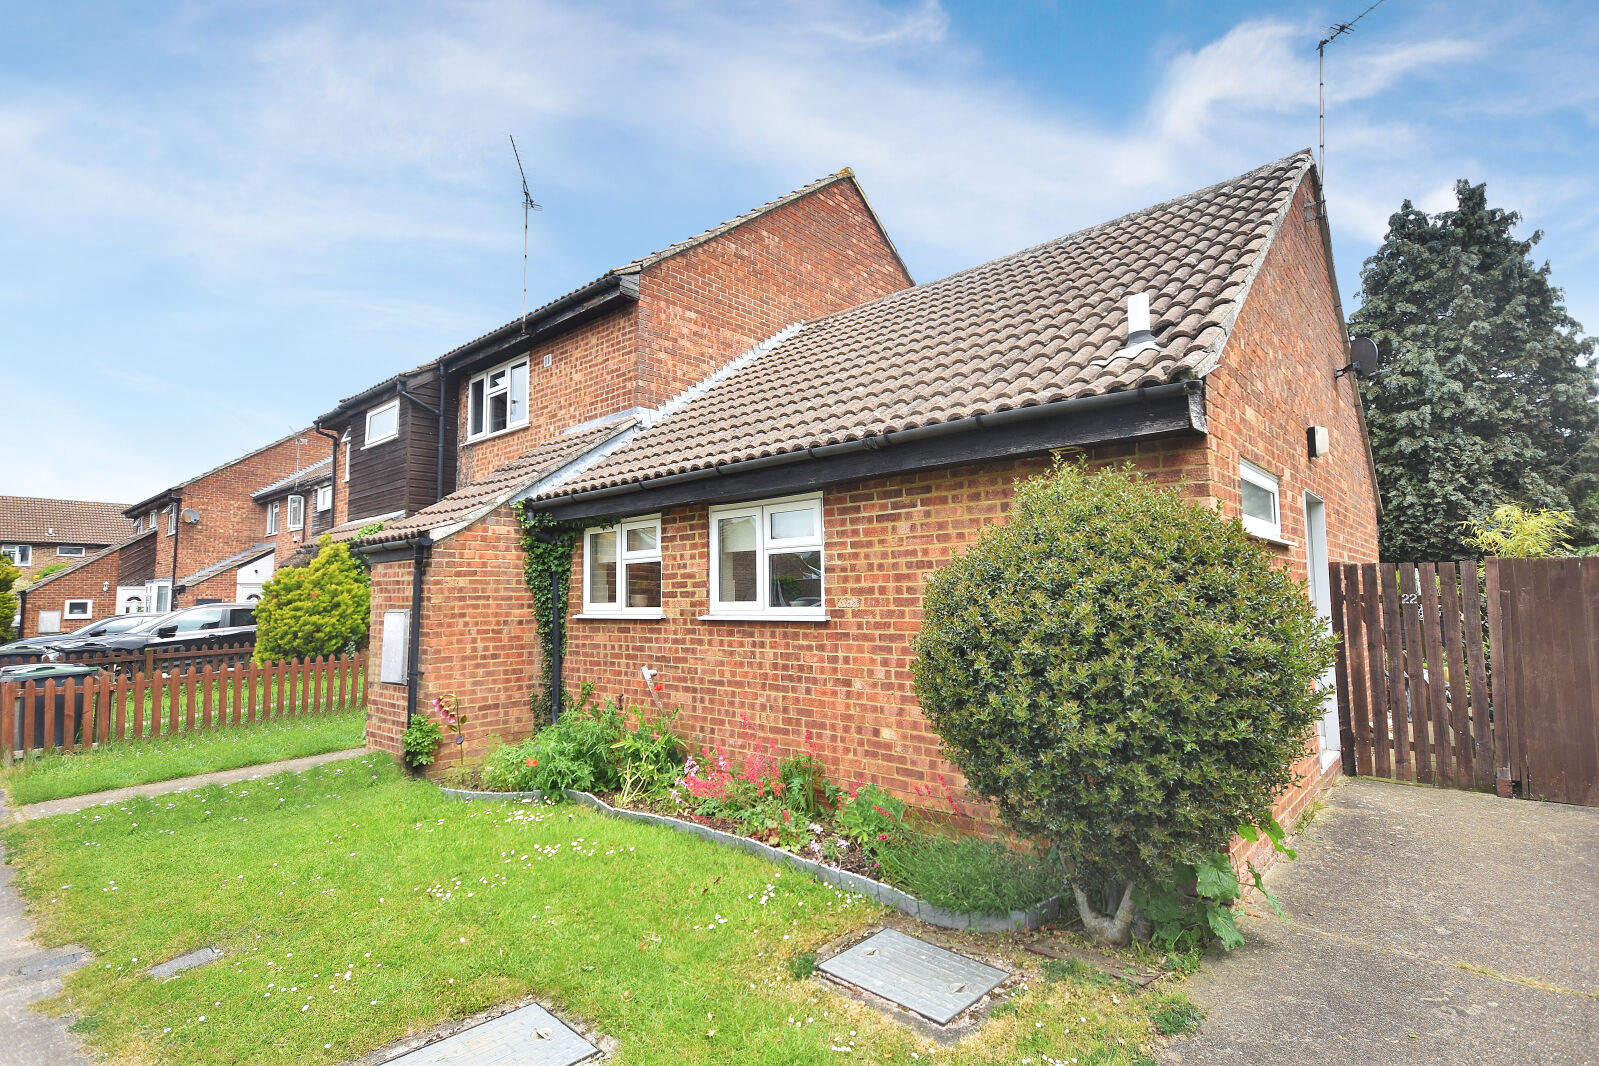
<point>1033,917</point>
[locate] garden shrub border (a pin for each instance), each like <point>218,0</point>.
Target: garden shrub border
<point>1034,917</point>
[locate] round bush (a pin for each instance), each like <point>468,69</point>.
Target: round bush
<point>318,609</point>
<point>1126,675</point>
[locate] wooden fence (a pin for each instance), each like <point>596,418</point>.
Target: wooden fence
<point>123,705</point>
<point>1413,693</point>
<point>1484,678</point>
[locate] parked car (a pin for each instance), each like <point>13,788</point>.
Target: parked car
<point>116,623</point>
<point>192,628</point>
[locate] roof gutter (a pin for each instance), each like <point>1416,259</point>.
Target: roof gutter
<point>1015,416</point>
<point>557,316</point>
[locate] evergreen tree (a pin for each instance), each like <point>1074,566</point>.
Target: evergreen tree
<point>1487,392</point>
<point>317,609</point>
<point>8,600</point>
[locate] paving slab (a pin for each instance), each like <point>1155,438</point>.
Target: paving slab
<point>931,981</point>
<point>1426,926</point>
<point>172,967</point>
<point>71,804</point>
<point>528,1036</point>
<point>29,973</point>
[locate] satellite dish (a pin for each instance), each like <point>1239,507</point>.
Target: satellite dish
<point>191,516</point>
<point>1363,358</point>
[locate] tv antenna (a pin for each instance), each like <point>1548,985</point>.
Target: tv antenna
<point>528,205</point>
<point>1333,33</point>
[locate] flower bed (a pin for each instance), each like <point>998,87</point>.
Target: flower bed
<point>782,807</point>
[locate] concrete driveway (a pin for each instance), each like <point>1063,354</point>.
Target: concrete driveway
<point>1426,926</point>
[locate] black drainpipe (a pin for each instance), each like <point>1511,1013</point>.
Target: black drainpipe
<point>438,492</point>
<point>177,531</point>
<point>333,516</point>
<point>413,673</point>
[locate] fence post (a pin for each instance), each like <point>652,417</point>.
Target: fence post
<point>9,706</point>
<point>1502,664</point>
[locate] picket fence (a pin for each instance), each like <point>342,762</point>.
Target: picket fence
<point>119,704</point>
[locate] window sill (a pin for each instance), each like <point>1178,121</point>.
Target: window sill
<point>619,616</point>
<point>380,440</point>
<point>759,616</point>
<point>480,438</point>
<point>1276,542</point>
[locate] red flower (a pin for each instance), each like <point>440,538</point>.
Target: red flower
<point>787,817</point>
<point>532,762</point>
<point>882,836</point>
<point>659,687</point>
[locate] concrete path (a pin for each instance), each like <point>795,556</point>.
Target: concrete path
<point>1428,926</point>
<point>178,784</point>
<point>29,973</point>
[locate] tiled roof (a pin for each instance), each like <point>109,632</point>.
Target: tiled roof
<point>90,558</point>
<point>249,555</point>
<point>313,472</point>
<point>1040,326</point>
<point>35,520</point>
<point>477,499</point>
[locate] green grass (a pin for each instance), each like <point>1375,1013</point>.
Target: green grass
<point>969,874</point>
<point>137,762</point>
<point>356,905</point>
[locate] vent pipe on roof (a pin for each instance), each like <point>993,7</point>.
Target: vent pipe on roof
<point>1139,335</point>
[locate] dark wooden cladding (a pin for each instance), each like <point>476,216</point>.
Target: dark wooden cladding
<point>1432,694</point>
<point>399,474</point>
<point>136,562</point>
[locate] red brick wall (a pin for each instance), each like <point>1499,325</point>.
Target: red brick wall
<point>697,310</point>
<point>229,520</point>
<point>478,637</point>
<point>45,555</point>
<point>84,583</point>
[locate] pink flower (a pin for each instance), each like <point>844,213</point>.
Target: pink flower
<point>882,836</point>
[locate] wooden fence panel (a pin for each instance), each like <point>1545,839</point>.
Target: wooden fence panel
<point>9,708</point>
<point>1456,684</point>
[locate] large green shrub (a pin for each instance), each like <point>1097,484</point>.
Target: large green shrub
<point>8,600</point>
<point>321,608</point>
<point>1126,675</point>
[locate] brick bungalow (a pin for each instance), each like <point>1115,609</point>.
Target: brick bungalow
<point>760,539</point>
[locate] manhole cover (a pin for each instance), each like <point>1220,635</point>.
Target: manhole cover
<point>529,1036</point>
<point>173,967</point>
<point>933,982</point>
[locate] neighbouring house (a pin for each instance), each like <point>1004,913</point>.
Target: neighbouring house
<point>762,508</point>
<point>37,532</point>
<point>212,541</point>
<point>299,509</point>
<point>89,588</point>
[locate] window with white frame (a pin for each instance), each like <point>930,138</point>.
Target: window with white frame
<point>19,554</point>
<point>138,524</point>
<point>766,558</point>
<point>346,442</point>
<point>78,609</point>
<point>324,499</point>
<point>382,423</point>
<point>151,524</point>
<point>272,517</point>
<point>172,519</point>
<point>1262,513</point>
<point>622,568</point>
<point>497,399</point>
<point>296,512</point>
<point>70,551</point>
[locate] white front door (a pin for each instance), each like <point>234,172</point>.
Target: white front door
<point>1316,572</point>
<point>131,599</point>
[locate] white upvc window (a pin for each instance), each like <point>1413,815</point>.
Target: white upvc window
<point>622,568</point>
<point>78,609</point>
<point>382,423</point>
<point>172,519</point>
<point>19,554</point>
<point>70,551</point>
<point>160,596</point>
<point>324,499</point>
<point>151,524</point>
<point>346,442</point>
<point>766,559</point>
<point>497,399</point>
<point>272,518</point>
<point>1261,507</point>
<point>296,512</point>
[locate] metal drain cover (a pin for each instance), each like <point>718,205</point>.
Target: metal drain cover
<point>921,977</point>
<point>529,1036</point>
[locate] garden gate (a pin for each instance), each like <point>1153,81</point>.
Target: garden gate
<point>1415,661</point>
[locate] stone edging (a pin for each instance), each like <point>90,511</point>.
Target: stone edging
<point>1031,918</point>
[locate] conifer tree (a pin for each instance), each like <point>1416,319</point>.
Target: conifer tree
<point>1487,393</point>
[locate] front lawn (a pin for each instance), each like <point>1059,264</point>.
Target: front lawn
<point>137,762</point>
<point>356,905</point>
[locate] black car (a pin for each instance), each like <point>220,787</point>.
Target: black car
<point>115,623</point>
<point>192,628</point>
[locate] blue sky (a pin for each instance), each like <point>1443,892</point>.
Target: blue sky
<point>218,218</point>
